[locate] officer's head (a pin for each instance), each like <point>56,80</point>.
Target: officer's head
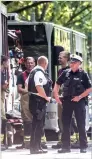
<point>4,61</point>
<point>29,63</point>
<point>43,62</point>
<point>75,62</point>
<point>63,57</point>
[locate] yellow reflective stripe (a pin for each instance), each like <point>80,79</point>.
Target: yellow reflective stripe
<point>26,138</point>
<point>1,137</point>
<point>43,139</point>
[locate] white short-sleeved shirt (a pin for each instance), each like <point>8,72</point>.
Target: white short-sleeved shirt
<point>39,77</point>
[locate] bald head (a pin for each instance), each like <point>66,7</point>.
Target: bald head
<point>42,61</point>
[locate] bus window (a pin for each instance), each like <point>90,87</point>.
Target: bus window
<point>34,39</point>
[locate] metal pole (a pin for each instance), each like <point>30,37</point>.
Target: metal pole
<point>49,28</point>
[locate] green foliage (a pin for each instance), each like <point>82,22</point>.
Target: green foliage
<point>75,15</point>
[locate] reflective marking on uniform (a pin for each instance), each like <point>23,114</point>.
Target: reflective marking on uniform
<point>43,139</point>
<point>40,80</point>
<point>76,78</point>
<point>26,138</point>
<point>1,137</point>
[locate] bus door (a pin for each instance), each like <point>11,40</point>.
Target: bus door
<point>62,41</point>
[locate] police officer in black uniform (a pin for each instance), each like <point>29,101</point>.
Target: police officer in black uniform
<point>39,87</point>
<point>76,86</point>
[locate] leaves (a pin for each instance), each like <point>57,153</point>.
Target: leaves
<point>67,13</point>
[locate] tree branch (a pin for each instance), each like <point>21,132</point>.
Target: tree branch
<point>35,4</point>
<point>45,6</point>
<point>80,20</point>
<point>7,2</point>
<point>74,16</point>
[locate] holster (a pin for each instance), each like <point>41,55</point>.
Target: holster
<point>40,113</point>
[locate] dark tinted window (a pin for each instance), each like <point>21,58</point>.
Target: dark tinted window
<point>31,34</point>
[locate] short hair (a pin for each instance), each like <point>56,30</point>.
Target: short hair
<point>29,58</point>
<point>41,60</point>
<point>66,54</point>
<point>4,59</point>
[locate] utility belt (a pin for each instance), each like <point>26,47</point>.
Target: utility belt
<point>38,105</point>
<point>35,96</point>
<point>69,98</point>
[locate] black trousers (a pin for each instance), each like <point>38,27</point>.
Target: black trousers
<point>37,123</point>
<point>80,115</point>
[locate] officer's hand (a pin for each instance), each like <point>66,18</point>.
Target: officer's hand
<point>76,99</point>
<point>48,99</point>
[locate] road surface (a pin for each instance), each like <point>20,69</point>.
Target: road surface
<point>12,153</point>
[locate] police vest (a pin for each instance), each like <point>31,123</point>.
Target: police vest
<point>31,84</point>
<point>73,84</point>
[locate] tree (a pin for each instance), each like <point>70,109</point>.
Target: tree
<point>67,13</point>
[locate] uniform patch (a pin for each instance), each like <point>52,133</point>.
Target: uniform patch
<point>40,80</point>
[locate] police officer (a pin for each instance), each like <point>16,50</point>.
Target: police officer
<point>4,87</point>
<point>76,86</point>
<point>63,59</point>
<point>26,115</point>
<point>39,89</point>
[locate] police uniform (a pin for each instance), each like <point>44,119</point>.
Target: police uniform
<point>74,83</point>
<point>38,104</point>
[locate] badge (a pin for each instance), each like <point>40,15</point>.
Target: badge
<point>40,80</point>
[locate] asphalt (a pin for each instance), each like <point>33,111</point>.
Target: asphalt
<point>12,153</point>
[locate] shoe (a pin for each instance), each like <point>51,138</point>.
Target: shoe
<point>83,150</point>
<point>37,151</point>
<point>20,147</point>
<point>57,146</point>
<point>64,150</point>
<point>4,147</point>
<point>44,146</point>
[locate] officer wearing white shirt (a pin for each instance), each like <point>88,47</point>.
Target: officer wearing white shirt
<point>39,87</point>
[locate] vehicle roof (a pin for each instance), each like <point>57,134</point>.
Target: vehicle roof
<point>20,22</point>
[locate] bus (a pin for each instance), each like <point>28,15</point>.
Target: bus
<point>45,38</point>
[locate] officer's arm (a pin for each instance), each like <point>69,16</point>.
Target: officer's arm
<point>85,93</point>
<point>56,92</point>
<point>87,86</point>
<point>42,93</point>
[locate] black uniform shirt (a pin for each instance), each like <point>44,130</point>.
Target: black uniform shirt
<point>20,79</point>
<point>85,78</point>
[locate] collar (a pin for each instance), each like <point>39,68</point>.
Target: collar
<point>39,67</point>
<point>74,72</point>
